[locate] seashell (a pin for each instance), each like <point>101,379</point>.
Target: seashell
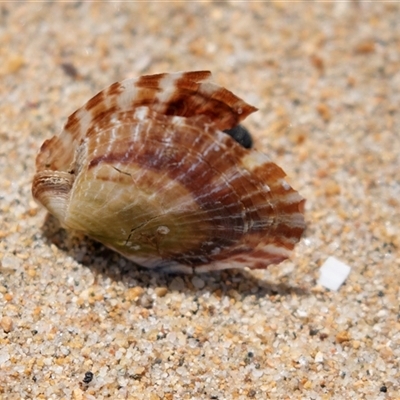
<point>145,168</point>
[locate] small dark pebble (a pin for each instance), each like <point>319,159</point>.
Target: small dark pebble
<point>323,336</point>
<point>381,294</point>
<point>249,357</point>
<point>161,335</point>
<point>313,332</point>
<point>241,135</point>
<point>88,377</point>
<point>383,389</point>
<point>70,70</point>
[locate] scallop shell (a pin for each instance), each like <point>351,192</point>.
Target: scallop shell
<point>145,168</point>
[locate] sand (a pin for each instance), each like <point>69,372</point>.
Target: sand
<point>325,77</point>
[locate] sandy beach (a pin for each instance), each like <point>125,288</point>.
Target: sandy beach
<point>78,321</point>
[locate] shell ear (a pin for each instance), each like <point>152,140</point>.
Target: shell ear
<point>52,189</point>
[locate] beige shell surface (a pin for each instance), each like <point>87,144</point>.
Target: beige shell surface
<point>144,168</point>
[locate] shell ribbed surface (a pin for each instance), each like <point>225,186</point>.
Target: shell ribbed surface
<point>144,168</point>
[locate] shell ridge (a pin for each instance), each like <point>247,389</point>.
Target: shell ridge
<point>226,179</point>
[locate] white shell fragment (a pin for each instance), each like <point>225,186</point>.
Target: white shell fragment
<point>333,273</point>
